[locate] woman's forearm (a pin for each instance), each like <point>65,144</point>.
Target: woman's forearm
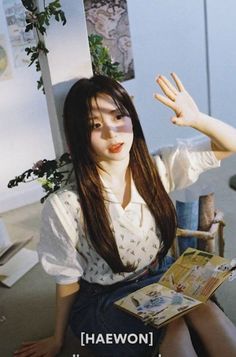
<point>222,135</point>
<point>65,296</point>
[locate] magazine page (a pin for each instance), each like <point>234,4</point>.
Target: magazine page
<point>4,236</point>
<point>24,260</point>
<point>197,274</point>
<point>9,251</point>
<point>156,304</point>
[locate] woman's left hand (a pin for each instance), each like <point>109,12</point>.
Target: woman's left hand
<point>178,99</point>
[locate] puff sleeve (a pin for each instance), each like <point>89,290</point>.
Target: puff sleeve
<point>179,166</point>
<point>58,238</point>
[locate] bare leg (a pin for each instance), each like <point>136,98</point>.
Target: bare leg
<point>177,340</point>
<point>216,331</point>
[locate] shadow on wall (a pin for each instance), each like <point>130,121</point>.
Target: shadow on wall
<point>60,91</point>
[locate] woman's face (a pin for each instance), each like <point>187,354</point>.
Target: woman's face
<point>112,131</point>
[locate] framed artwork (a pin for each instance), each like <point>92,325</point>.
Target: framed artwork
<point>109,19</point>
<point>5,70</point>
<point>19,39</point>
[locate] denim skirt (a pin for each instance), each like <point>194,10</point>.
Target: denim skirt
<point>94,315</point>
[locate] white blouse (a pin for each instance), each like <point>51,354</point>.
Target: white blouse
<point>63,249</point>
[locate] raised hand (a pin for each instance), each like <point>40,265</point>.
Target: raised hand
<point>178,99</point>
<point>47,347</point>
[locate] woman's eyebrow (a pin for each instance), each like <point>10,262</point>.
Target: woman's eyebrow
<point>93,117</point>
<point>105,111</point>
<point>117,110</point>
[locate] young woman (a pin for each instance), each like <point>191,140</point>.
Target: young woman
<point>109,234</point>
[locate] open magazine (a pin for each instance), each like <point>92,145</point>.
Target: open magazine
<point>8,251</point>
<point>189,282</point>
<point>15,260</point>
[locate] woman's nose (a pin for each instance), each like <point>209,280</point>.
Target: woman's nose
<point>110,130</point>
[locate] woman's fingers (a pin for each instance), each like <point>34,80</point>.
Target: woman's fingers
<point>28,343</point>
<point>178,99</point>
<point>25,351</point>
<point>27,348</point>
<point>178,121</point>
<point>166,101</point>
<point>169,84</point>
<point>46,347</point>
<point>166,90</point>
<point>178,82</point>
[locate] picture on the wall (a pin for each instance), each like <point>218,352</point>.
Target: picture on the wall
<point>109,19</point>
<point>5,69</point>
<point>19,39</point>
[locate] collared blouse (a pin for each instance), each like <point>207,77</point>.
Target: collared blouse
<point>68,255</point>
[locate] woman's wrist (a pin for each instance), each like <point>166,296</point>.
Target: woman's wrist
<point>59,340</point>
<point>200,121</point>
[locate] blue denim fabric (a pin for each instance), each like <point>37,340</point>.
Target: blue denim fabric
<point>187,217</point>
<point>94,312</point>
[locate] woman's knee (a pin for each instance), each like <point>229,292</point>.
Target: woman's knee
<point>205,311</point>
<point>177,340</point>
<point>177,327</point>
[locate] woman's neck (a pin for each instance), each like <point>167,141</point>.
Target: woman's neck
<point>114,172</point>
<point>118,178</point>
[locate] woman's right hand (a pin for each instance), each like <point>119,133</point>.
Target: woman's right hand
<point>47,347</point>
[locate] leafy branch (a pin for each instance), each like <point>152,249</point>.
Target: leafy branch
<point>53,174</point>
<point>101,59</point>
<point>48,173</point>
<point>39,21</point>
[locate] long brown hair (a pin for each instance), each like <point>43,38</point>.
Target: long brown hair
<point>97,223</point>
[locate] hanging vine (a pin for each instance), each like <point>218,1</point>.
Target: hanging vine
<point>53,174</point>
<point>50,174</point>
<point>39,21</point>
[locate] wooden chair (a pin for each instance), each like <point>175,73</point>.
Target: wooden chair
<point>214,237</point>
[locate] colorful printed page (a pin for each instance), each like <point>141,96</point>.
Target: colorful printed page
<point>157,304</point>
<point>196,274</point>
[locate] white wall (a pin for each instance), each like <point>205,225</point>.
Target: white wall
<point>24,130</point>
<point>222,54</point>
<point>25,134</point>
<point>166,36</point>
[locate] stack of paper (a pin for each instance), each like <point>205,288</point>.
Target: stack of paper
<point>15,260</point>
<point>17,266</point>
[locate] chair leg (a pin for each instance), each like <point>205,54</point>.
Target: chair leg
<point>221,240</point>
<point>173,249</point>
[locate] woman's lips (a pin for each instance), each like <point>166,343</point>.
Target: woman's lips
<point>115,148</point>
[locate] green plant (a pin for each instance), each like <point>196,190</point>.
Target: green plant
<point>39,21</point>
<point>101,59</point>
<point>48,172</point>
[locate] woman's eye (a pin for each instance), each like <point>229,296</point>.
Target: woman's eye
<point>119,116</point>
<point>96,125</point>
